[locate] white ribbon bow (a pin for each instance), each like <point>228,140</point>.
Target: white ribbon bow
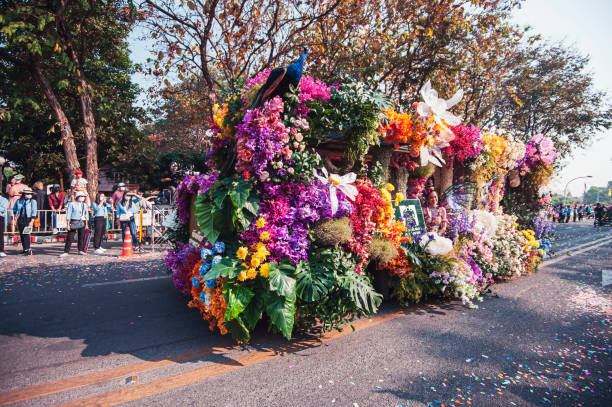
<point>344,183</point>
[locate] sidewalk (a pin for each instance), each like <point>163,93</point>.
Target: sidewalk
<point>48,255</point>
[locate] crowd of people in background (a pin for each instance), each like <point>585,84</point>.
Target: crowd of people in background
<point>565,213</point>
<point>23,209</point>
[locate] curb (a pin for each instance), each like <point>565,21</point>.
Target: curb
<point>14,240</point>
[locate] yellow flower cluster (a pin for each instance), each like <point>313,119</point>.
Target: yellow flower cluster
<point>219,114</point>
<point>529,236</point>
<point>494,144</point>
<point>253,261</point>
<point>386,223</point>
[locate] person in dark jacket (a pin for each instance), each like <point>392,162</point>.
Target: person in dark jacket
<point>24,211</point>
<point>40,195</point>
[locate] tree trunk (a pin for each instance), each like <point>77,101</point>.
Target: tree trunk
<point>89,123</point>
<point>67,139</point>
<point>399,179</point>
<point>91,140</point>
<point>382,155</point>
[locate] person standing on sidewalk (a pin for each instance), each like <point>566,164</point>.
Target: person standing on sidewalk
<point>24,211</point>
<point>41,201</point>
<point>100,209</point>
<point>56,203</point>
<point>3,218</point>
<point>77,216</point>
<point>126,210</point>
<point>14,194</point>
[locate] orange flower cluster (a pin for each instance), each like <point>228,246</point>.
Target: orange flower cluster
<point>399,266</point>
<point>215,312</point>
<point>404,128</point>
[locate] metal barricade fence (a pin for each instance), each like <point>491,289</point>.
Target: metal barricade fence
<point>152,223</point>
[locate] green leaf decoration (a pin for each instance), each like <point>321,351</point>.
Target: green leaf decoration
<point>225,268</point>
<point>282,280</point>
<point>362,292</point>
<point>238,297</point>
<point>281,312</point>
<point>238,330</point>
<point>218,195</point>
<point>313,283</point>
<point>204,215</point>
<point>240,194</point>
<point>252,313</point>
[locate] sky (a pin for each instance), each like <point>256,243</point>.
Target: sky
<point>583,24</point>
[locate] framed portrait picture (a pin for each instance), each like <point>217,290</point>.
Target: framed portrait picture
<point>410,212</point>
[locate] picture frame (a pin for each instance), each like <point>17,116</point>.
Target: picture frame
<point>415,212</point>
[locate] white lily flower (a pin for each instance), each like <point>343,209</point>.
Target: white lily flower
<point>438,107</point>
<point>344,183</point>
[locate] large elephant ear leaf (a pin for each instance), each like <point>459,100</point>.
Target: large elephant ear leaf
<point>237,328</point>
<point>281,312</point>
<point>208,218</point>
<point>362,292</point>
<point>282,279</point>
<point>240,194</point>
<point>238,297</point>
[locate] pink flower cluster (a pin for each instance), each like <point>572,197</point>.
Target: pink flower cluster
<point>539,149</point>
<point>258,79</point>
<point>466,144</point>
<point>311,89</point>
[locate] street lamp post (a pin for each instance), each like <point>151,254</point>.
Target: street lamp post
<point>566,185</point>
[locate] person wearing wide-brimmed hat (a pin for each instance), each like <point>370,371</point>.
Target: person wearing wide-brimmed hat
<point>14,193</point>
<point>24,211</point>
<point>126,210</point>
<point>77,217</point>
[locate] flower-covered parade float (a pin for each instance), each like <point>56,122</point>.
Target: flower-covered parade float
<point>321,200</point>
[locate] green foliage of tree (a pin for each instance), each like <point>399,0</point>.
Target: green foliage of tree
<point>599,194</point>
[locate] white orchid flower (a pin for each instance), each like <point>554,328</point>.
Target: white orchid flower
<point>433,105</point>
<point>433,154</point>
<point>344,183</point>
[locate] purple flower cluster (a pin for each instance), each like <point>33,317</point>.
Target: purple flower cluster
<point>459,223</point>
<point>262,141</point>
<point>189,186</point>
<point>288,209</point>
<point>541,226</point>
<point>180,263</point>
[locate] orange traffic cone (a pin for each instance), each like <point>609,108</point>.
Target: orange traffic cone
<point>127,244</point>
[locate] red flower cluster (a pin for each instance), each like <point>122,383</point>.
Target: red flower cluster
<point>466,144</point>
<point>401,160</point>
<point>369,207</point>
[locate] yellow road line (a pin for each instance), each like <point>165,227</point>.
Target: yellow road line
<point>162,385</point>
<point>44,389</point>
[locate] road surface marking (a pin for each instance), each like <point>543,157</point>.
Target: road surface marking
<point>134,280</point>
<point>606,277</point>
<point>44,389</point>
<point>137,392</point>
<point>557,259</point>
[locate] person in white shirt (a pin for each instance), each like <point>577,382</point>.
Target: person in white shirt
<point>77,218</point>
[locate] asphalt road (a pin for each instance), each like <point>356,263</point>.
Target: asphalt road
<point>100,331</point>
